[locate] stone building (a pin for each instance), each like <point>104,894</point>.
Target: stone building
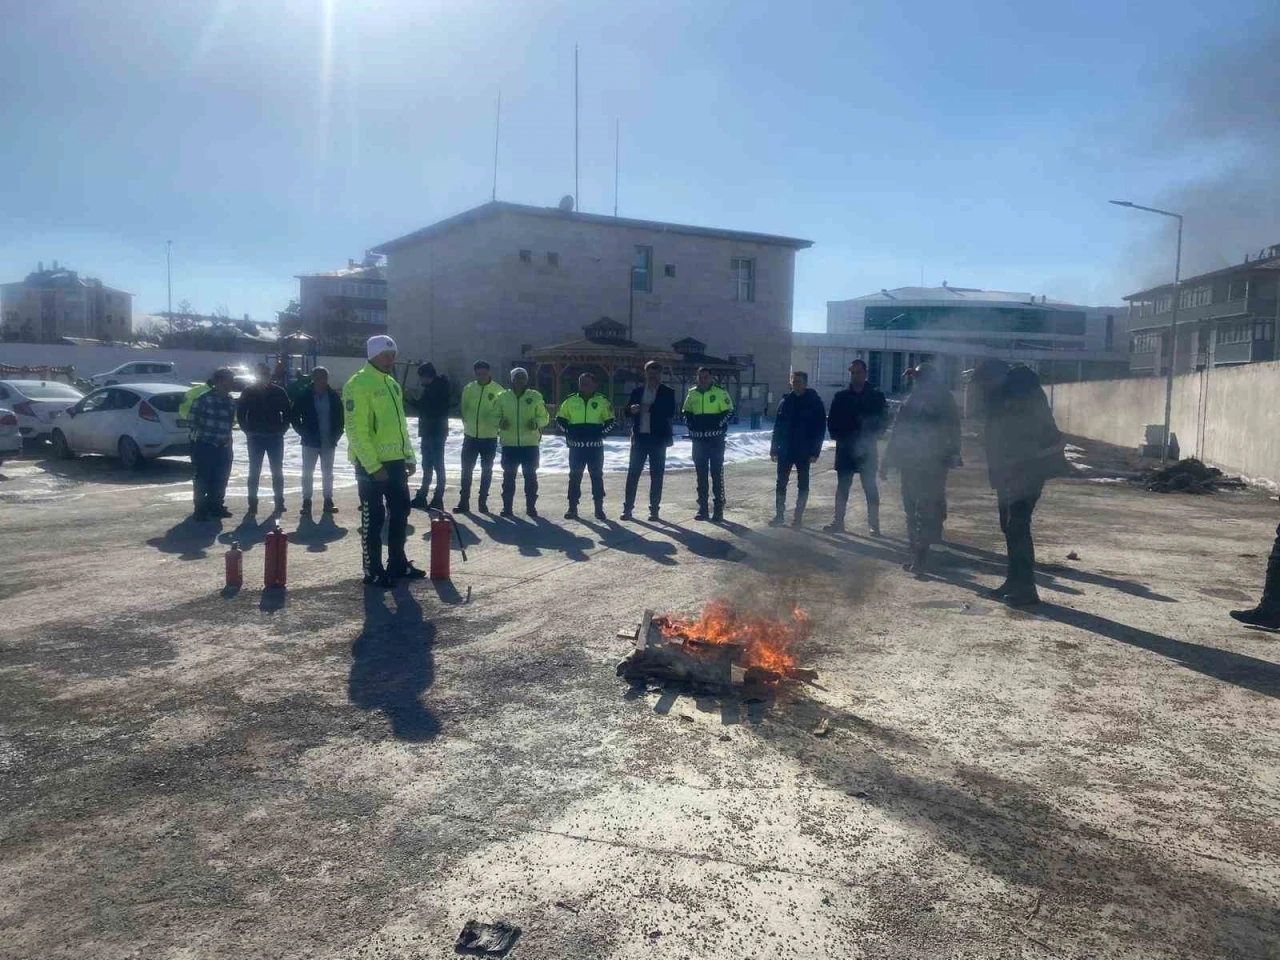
<point>51,304</point>
<point>502,279</point>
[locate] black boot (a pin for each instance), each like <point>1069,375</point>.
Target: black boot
<point>873,518</point>
<point>653,515</point>
<point>506,509</point>
<point>329,507</point>
<point>306,508</point>
<point>464,506</point>
<point>779,510</point>
<point>800,503</point>
<point>437,502</point>
<point>572,512</point>
<point>531,508</point>
<point>717,513</point>
<point>600,514</point>
<point>1267,612</point>
<point>419,502</point>
<point>702,513</point>
<point>626,512</point>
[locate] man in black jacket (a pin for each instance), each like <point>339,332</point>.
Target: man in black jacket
<point>433,430</point>
<point>799,426</point>
<point>652,408</point>
<point>263,412</point>
<point>856,420</point>
<point>318,420</point>
<point>1024,449</point>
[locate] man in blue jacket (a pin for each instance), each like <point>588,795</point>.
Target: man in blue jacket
<point>799,427</point>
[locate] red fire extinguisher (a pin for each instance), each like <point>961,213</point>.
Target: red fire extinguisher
<point>235,565</point>
<point>275,569</point>
<point>441,541</point>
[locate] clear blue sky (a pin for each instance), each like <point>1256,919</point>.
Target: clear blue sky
<point>976,142</point>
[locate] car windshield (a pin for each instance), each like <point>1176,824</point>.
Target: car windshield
<point>166,402</point>
<point>48,391</point>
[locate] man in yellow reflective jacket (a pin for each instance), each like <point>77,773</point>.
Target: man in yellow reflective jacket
<point>586,418</point>
<point>521,416</point>
<point>707,410</point>
<point>479,407</point>
<point>378,444</point>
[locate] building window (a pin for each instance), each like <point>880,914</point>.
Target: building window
<point>1239,289</point>
<point>1264,330</point>
<point>669,270</point>
<point>1236,333</point>
<point>526,256</point>
<point>1148,342</point>
<point>1110,336</point>
<point>743,272</point>
<point>875,362</point>
<point>553,258</point>
<point>1195,297</point>
<point>1164,304</point>
<point>641,268</point>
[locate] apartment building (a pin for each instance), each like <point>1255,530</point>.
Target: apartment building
<point>51,304</point>
<point>1224,318</point>
<point>343,308</point>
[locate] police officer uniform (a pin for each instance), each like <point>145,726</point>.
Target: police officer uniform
<point>585,421</point>
<point>707,414</point>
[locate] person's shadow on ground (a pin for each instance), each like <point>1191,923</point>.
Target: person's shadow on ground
<point>697,543</point>
<point>317,536</point>
<point>392,663</point>
<point>533,537</point>
<point>249,531</point>
<point>189,538</point>
<point>616,537</point>
<point>998,560</point>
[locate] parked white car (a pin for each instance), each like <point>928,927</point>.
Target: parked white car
<point>36,403</point>
<point>133,421</point>
<point>10,438</point>
<point>137,371</point>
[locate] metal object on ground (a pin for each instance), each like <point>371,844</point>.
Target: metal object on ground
<point>275,570</point>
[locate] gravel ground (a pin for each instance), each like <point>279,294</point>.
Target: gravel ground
<point>347,774</point>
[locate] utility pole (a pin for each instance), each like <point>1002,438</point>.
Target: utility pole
<point>497,126</point>
<point>576,204</point>
<point>617,126</point>
<point>1173,323</point>
<point>168,260</point>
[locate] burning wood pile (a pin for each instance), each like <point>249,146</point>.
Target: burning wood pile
<point>722,650</point>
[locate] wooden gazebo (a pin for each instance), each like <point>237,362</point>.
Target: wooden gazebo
<point>604,350</point>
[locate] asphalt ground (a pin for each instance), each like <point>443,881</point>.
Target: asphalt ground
<point>335,772</point>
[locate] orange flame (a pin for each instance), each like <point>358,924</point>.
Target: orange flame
<point>767,643</point>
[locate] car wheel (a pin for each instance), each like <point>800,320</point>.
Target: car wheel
<point>130,455</point>
<point>61,449</point>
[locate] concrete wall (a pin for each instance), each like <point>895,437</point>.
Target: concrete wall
<point>467,293</point>
<point>192,365</point>
<point>1225,416</point>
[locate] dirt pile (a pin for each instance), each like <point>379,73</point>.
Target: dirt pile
<point>1189,476</point>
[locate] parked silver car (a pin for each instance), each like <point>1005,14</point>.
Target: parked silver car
<point>137,371</point>
<point>36,403</point>
<point>133,421</point>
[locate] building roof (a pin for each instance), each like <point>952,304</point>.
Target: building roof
<point>358,272</point>
<point>499,206</point>
<point>1268,259</point>
<point>960,296</point>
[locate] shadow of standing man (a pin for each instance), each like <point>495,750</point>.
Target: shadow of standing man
<point>392,664</point>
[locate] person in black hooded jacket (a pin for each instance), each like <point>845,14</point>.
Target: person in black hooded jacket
<point>1024,449</point>
<point>799,426</point>
<point>857,417</point>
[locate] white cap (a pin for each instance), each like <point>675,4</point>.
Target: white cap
<point>379,344</point>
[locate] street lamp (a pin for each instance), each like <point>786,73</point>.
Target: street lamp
<point>1173,322</point>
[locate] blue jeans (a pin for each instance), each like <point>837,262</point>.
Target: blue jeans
<point>432,460</point>
<point>272,444</point>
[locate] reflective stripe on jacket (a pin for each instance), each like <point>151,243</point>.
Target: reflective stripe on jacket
<point>479,408</point>
<point>585,421</point>
<point>525,416</point>
<point>373,411</point>
<point>707,412</point>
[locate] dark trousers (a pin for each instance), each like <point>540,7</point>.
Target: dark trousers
<point>524,459</point>
<point>212,467</point>
<point>433,439</point>
<point>924,500</point>
<point>801,463</point>
<point>1015,524</point>
<point>272,444</point>
<point>592,460</point>
<point>865,468</point>
<point>485,450</point>
<point>655,451</point>
<point>708,458</point>
<point>383,501</point>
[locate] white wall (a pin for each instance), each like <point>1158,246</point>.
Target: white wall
<point>192,365</point>
<point>1226,416</point>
